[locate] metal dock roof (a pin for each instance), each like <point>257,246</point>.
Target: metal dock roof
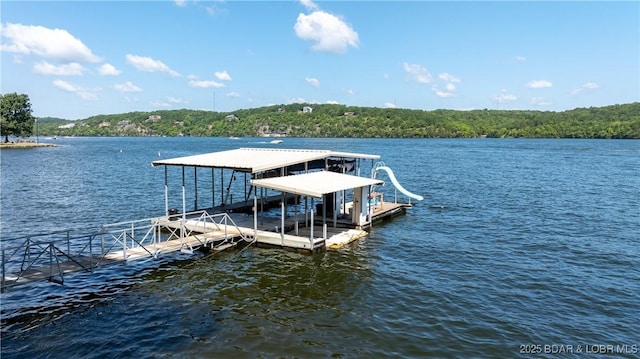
<point>256,160</point>
<point>315,184</point>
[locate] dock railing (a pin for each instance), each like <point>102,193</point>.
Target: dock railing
<point>45,255</point>
<point>51,255</point>
<point>200,228</point>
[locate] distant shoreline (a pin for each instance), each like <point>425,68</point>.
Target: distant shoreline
<point>25,144</point>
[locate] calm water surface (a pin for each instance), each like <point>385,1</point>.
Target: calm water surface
<point>519,246</point>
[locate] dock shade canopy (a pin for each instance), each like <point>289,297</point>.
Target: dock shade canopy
<point>315,184</point>
<point>255,160</point>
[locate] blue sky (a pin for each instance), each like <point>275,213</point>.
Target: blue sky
<point>76,59</point>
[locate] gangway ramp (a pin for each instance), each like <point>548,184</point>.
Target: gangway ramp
<point>51,256</point>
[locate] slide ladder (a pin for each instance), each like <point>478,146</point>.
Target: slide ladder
<point>381,167</point>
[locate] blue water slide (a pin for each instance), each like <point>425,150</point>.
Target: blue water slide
<point>397,184</point>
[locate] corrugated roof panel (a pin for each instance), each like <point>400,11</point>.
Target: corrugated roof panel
<point>315,184</point>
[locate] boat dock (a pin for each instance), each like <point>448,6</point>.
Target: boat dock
<point>323,203</point>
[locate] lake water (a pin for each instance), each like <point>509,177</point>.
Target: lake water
<point>521,248</point>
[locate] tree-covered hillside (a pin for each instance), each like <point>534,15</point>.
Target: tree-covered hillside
<point>327,120</point>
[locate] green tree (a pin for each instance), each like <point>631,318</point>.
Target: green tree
<point>15,115</point>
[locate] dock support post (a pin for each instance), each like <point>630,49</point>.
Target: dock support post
<point>255,216</point>
<point>195,189</point>
<point>336,207</point>
<point>262,205</point>
<point>306,211</point>
<point>311,235</point>
<point>222,187</point>
<point>213,189</point>
<point>282,207</point>
<point>184,197</point>
<point>166,192</point>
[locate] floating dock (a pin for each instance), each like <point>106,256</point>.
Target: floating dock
<point>302,200</point>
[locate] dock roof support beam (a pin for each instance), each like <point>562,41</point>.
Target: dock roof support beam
<point>166,191</point>
<point>195,181</point>
<point>184,197</point>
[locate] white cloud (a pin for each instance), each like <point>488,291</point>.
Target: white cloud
<point>505,96</point>
<point>52,44</point>
<point>205,84</point>
<point>350,92</point>
<point>312,81</point>
<point>389,105</point>
<point>538,84</point>
<point>444,94</point>
<point>160,104</point>
<point>519,59</point>
<point>450,82</point>
<point>223,76</point>
<point>417,73</point>
<point>181,3</point>
<point>17,59</point>
<point>127,87</point>
<point>72,69</point>
<point>175,100</point>
<point>587,86</point>
<point>328,32</point>
<point>333,102</point>
<point>108,70</point>
<point>64,86</point>
<point>85,94</point>
<point>448,77</point>
<point>310,5</point>
<point>539,101</point>
<point>148,64</point>
<point>233,94</point>
<point>297,100</point>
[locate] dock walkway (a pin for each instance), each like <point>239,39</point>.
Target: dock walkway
<point>52,256</point>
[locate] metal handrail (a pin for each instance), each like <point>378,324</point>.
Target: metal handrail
<point>44,249</point>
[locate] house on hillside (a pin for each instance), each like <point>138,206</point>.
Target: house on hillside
<point>231,117</point>
<point>68,125</point>
<point>307,109</point>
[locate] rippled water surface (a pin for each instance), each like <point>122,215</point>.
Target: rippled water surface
<point>518,244</point>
